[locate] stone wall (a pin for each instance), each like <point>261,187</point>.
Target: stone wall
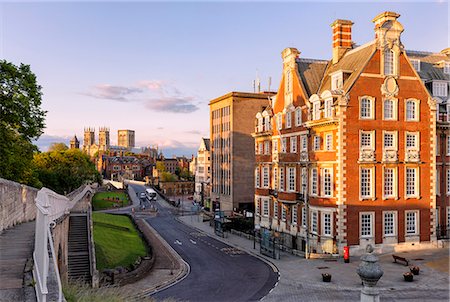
<point>17,203</point>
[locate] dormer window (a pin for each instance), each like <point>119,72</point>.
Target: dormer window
<point>416,64</point>
<point>337,81</point>
<point>388,62</point>
<point>440,89</point>
<point>316,110</point>
<point>447,67</point>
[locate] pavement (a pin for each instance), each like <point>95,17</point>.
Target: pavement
<point>301,279</point>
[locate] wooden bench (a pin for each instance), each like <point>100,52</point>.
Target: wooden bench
<point>406,261</point>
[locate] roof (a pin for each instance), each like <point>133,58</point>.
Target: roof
<point>206,141</point>
<point>311,73</point>
<point>123,159</point>
<point>430,67</point>
<point>353,62</point>
<point>250,95</point>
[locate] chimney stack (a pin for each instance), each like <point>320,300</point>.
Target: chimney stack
<point>342,38</point>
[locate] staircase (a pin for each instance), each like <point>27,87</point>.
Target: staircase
<point>79,260</point>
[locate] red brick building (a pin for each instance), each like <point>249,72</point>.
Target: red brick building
<point>346,153</point>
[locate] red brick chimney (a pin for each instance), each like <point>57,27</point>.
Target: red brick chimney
<point>342,38</point>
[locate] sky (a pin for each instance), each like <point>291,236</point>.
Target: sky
<point>154,66</point>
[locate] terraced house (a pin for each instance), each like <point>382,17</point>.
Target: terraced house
<point>346,153</point>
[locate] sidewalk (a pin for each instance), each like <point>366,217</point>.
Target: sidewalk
<point>301,279</point>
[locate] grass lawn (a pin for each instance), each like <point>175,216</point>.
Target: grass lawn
<point>106,200</point>
<point>117,242</point>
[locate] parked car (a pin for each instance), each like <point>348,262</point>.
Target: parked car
<point>142,195</point>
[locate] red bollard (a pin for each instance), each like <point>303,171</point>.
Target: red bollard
<point>346,254</point>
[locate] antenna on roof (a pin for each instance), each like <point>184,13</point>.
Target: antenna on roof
<point>258,82</point>
<point>270,82</point>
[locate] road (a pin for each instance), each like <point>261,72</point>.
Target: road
<point>218,272</point>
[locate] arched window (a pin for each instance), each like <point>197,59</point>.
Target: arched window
<point>412,112</point>
<point>328,104</point>
<point>316,110</point>
<point>388,61</point>
<point>298,117</point>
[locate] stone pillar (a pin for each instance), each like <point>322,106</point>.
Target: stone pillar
<point>369,270</point>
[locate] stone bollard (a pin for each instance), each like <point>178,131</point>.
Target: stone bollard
<point>369,270</point>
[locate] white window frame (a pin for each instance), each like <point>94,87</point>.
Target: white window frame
<point>371,186</point>
<point>314,222</point>
<point>448,181</point>
<point>327,232</point>
<point>298,117</point>
<point>394,146</point>
<point>394,109</point>
<point>389,62</point>
<point>293,144</point>
<point>416,184</point>
<point>372,222</point>
<point>291,178</point>
<point>304,142</point>
<point>337,81</point>
<point>416,223</point>
<point>257,178</point>
<point>279,121</point>
<point>283,212</point>
<point>316,110</point>
<point>275,146</point>
<point>324,184</point>
<point>329,141</point>
<point>394,183</point>
<point>281,179</point>
<point>371,110</point>
<point>416,146</point>
<point>275,209</point>
<point>294,216</point>
<point>275,178</point>
<point>265,207</point>
<point>266,147</point>
<point>266,181</point>
<point>328,108</point>
<point>440,88</point>
<point>416,64</point>
<point>394,223</point>
<point>447,67</point>
<point>288,119</point>
<point>314,186</point>
<point>448,145</point>
<point>303,217</point>
<point>416,116</point>
<point>372,140</point>
<point>283,144</point>
<point>260,148</point>
<point>317,142</point>
<point>257,208</point>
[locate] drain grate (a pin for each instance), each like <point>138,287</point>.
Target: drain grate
<point>330,260</point>
<point>418,259</point>
<point>322,267</point>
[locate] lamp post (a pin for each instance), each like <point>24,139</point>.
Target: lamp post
<point>306,205</point>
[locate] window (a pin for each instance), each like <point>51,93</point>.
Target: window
<point>388,180</point>
<point>257,200</point>
<point>366,108</point>
<point>327,182</point>
<point>412,139</point>
<point>440,89</point>
<point>267,125</point>
<point>316,143</point>
<point>389,220</point>
<point>288,119</point>
<point>304,217</point>
<point>366,140</point>
<point>389,109</point>
<point>283,212</point>
<point>328,108</point>
<point>260,148</point>
<point>316,110</point>
<point>298,117</point>
<point>438,182</point>
<point>389,142</point>
<point>448,144</point>
<point>279,122</point>
<point>266,207</point>
<point>314,222</point>
<point>447,67</point>
<point>412,182</point>
<point>275,146</point>
<point>260,124</point>
<point>314,181</point>
<point>291,178</point>
<point>275,178</point>
<point>265,177</point>
<point>448,181</point>
<point>281,179</point>
<point>326,218</point>
<point>388,62</point>
<point>412,110</point>
<point>366,185</point>
<point>304,143</point>
<point>336,81</point>
<point>293,141</point>
<point>304,180</point>
<point>416,64</point>
<point>294,214</point>
<point>411,222</point>
<point>283,144</point>
<point>257,180</point>
<point>266,147</point>
<point>275,209</point>
<point>329,142</point>
<point>366,224</point>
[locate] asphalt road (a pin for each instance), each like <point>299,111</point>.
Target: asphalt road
<point>218,272</point>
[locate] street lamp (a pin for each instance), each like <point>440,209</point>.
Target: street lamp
<point>306,205</point>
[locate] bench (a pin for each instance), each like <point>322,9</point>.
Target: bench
<point>400,259</point>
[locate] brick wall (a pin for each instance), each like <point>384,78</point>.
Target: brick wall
<point>17,203</point>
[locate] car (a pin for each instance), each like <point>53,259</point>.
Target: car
<point>142,195</point>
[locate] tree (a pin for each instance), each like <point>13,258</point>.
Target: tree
<point>167,176</point>
<point>58,147</point>
<point>160,166</point>
<point>21,121</point>
<point>64,171</point>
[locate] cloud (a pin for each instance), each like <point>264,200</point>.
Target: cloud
<point>111,92</point>
<point>153,85</point>
<point>45,140</point>
<point>160,128</point>
<point>172,104</point>
<point>193,132</point>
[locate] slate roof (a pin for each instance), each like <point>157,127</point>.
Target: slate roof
<point>311,73</point>
<point>206,141</point>
<point>430,69</point>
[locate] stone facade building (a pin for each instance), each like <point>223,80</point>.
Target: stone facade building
<point>346,151</point>
<point>126,138</point>
<point>231,125</point>
<point>203,173</point>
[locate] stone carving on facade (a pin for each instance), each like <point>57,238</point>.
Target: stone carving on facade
<point>412,155</point>
<point>367,155</point>
<point>389,87</point>
<point>390,156</point>
<point>275,157</point>
<point>304,156</point>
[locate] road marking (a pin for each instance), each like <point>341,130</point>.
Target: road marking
<point>193,242</point>
<point>178,242</point>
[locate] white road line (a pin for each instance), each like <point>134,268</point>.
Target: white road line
<point>193,242</point>
<point>178,242</point>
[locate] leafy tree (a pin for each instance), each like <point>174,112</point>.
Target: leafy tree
<point>64,171</point>
<point>185,174</point>
<point>58,147</point>
<point>160,166</point>
<point>21,121</point>
<point>167,176</point>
